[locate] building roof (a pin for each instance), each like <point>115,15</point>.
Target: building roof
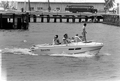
<point>80,1</point>
<point>64,1</point>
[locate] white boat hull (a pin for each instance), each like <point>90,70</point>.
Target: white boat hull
<point>72,48</point>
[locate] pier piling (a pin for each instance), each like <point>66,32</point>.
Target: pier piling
<point>48,18</point>
<point>60,18</point>
<point>34,18</point>
<point>79,19</point>
<point>42,18</point>
<point>86,19</point>
<point>14,25</point>
<point>55,19</point>
<point>73,19</point>
<point>19,23</point>
<point>0,21</point>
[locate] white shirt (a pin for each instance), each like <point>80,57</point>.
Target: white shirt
<point>77,39</point>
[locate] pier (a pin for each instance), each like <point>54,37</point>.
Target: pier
<point>111,19</point>
<point>21,20</point>
<point>50,17</point>
<point>14,20</point>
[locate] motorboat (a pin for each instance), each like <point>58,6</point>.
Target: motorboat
<point>75,47</point>
<point>71,48</point>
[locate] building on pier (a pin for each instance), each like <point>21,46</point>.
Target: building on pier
<point>55,5</point>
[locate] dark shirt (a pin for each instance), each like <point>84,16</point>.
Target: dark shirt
<point>66,40</point>
<point>56,41</point>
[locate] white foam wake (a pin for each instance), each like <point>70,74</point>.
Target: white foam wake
<point>87,54</point>
<point>18,51</point>
<point>107,54</point>
<point>74,55</point>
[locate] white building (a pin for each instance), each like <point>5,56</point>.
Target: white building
<point>37,6</point>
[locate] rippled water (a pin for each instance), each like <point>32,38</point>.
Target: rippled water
<point>21,65</point>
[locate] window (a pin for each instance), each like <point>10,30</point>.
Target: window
<point>71,48</point>
<point>58,8</point>
<point>32,8</point>
<point>39,8</point>
<point>77,48</point>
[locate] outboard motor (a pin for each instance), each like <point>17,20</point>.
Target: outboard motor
<point>33,48</point>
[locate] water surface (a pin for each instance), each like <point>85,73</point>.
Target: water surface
<point>33,67</point>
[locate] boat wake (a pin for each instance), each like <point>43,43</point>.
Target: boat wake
<point>106,54</point>
<point>79,55</point>
<point>24,51</point>
<point>73,55</point>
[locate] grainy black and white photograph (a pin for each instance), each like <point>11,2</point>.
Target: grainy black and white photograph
<point>59,40</point>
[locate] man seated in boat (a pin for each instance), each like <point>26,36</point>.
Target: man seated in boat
<point>66,39</point>
<point>81,37</point>
<point>72,39</point>
<point>77,38</point>
<point>56,40</point>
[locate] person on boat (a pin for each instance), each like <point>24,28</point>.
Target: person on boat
<point>66,39</point>
<point>72,39</point>
<point>56,40</point>
<point>81,37</point>
<point>77,38</point>
<point>84,32</point>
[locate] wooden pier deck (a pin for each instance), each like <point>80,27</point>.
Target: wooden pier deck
<point>64,17</point>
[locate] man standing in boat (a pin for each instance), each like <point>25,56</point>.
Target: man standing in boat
<point>84,32</point>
